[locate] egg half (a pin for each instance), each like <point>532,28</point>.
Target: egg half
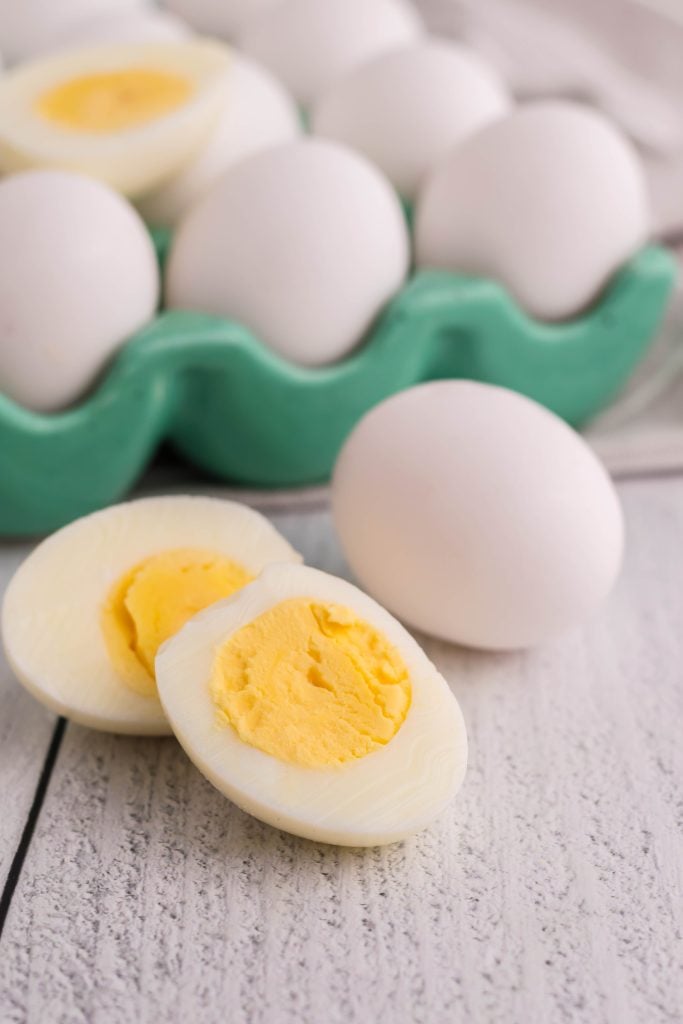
<point>84,615</point>
<point>310,707</point>
<point>130,115</point>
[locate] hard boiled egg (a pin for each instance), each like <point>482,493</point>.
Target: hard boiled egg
<point>84,615</point>
<point>312,708</point>
<point>406,109</point>
<point>222,18</point>
<point>30,26</point>
<point>309,43</point>
<point>130,115</point>
<point>476,515</point>
<point>78,275</point>
<point>257,113</point>
<point>550,200</point>
<point>302,243</point>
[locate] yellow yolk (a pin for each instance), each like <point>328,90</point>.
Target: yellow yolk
<point>311,684</point>
<point>154,599</point>
<point>112,101</point>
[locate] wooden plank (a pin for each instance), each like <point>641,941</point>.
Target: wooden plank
<point>549,892</point>
<point>25,733</point>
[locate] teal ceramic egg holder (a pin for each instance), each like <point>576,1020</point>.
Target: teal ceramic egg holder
<point>243,414</point>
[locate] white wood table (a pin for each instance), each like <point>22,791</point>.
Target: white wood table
<point>549,892</point>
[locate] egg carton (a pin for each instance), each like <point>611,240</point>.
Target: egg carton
<point>240,412</point>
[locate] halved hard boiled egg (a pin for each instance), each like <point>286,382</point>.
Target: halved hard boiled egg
<point>312,708</point>
<point>84,615</point>
<point>129,114</point>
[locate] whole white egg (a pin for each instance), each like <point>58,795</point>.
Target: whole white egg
<point>78,276</point>
<point>406,109</point>
<point>309,44</point>
<point>29,27</point>
<point>222,18</point>
<point>550,200</point>
<point>476,515</point>
<point>258,112</point>
<point>134,25</point>
<point>303,243</point>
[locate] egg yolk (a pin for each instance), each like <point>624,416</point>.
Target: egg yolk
<point>154,599</point>
<point>112,101</point>
<point>311,684</point>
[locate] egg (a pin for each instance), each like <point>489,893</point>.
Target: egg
<point>309,44</point>
<point>257,113</point>
<point>135,25</point>
<point>550,200</point>
<point>78,275</point>
<point>302,243</point>
<point>84,615</point>
<point>406,109</point>
<point>476,515</point>
<point>129,114</point>
<point>310,707</point>
<point>29,26</point>
<point>222,18</point>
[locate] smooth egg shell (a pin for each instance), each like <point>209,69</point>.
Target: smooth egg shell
<point>406,109</point>
<point>302,243</point>
<point>550,200</point>
<point>476,515</point>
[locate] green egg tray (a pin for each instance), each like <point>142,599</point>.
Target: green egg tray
<point>243,414</point>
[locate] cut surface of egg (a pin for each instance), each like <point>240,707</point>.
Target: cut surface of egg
<point>84,615</point>
<point>129,114</point>
<point>310,44</point>
<point>78,276</point>
<point>302,243</point>
<point>311,708</point>
<point>257,113</point>
<point>550,200</point>
<point>476,515</point>
<point>406,109</point>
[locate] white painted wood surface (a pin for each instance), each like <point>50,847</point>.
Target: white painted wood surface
<point>551,891</point>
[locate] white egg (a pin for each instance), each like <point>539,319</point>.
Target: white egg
<point>257,113</point>
<point>309,43</point>
<point>303,243</point>
<point>137,25</point>
<point>222,18</point>
<point>78,275</point>
<point>311,708</point>
<point>84,614</point>
<point>28,27</point>
<point>476,515</point>
<point>550,200</point>
<point>406,109</point>
<point>130,114</point>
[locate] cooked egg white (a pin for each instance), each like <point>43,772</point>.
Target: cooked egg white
<point>313,709</point>
<point>129,114</point>
<point>84,615</point>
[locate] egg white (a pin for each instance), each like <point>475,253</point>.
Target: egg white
<point>378,799</point>
<point>51,625</point>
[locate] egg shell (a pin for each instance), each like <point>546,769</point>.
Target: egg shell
<point>309,44</point>
<point>132,159</point>
<point>302,243</point>
<point>29,27</point>
<point>373,800</point>
<point>257,113</point>
<point>550,200</point>
<point>476,515</point>
<point>406,109</point>
<point>137,25</point>
<point>51,627</point>
<point>221,18</point>
<point>78,275</point>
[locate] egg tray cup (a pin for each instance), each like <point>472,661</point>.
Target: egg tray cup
<point>243,414</point>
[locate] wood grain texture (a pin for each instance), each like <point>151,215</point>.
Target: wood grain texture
<point>550,891</point>
<point>25,733</point>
